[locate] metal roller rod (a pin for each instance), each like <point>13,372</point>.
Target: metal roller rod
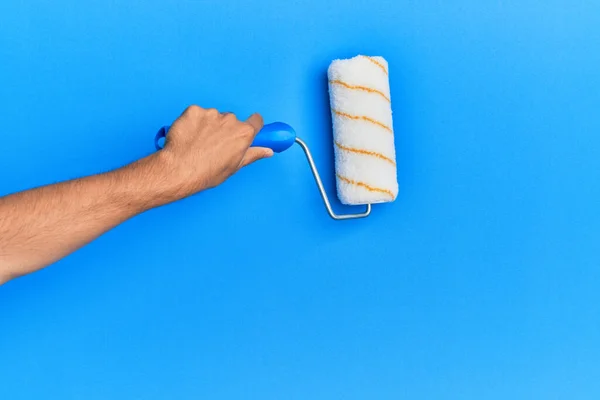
<point>315,173</point>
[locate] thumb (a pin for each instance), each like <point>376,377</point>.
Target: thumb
<point>254,154</point>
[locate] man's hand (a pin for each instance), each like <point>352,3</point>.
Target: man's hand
<point>42,225</point>
<point>204,147</point>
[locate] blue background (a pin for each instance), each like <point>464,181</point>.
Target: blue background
<point>480,282</point>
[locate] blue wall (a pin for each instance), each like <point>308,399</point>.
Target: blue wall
<point>479,282</point>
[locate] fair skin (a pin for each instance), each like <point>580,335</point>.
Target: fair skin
<point>42,225</point>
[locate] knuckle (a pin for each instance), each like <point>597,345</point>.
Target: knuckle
<point>230,118</point>
<point>193,110</point>
<point>212,112</point>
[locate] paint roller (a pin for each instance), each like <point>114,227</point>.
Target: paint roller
<point>363,135</point>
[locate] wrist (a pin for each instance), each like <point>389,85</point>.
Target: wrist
<point>163,179</point>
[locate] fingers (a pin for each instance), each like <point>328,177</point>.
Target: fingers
<point>254,154</point>
<point>256,122</point>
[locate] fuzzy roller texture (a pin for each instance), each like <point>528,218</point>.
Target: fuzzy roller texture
<point>361,110</point>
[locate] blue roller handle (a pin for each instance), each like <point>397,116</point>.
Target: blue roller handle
<point>277,136</point>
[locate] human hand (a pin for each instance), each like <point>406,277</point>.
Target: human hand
<point>204,147</point>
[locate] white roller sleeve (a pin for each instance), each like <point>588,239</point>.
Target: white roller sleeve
<point>365,158</point>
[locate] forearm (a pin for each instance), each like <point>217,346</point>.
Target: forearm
<point>42,225</point>
<point>203,149</point>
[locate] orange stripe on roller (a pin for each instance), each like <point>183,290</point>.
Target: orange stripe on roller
<point>366,186</point>
<point>364,118</point>
<point>363,88</point>
<point>365,152</point>
<point>380,65</point>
